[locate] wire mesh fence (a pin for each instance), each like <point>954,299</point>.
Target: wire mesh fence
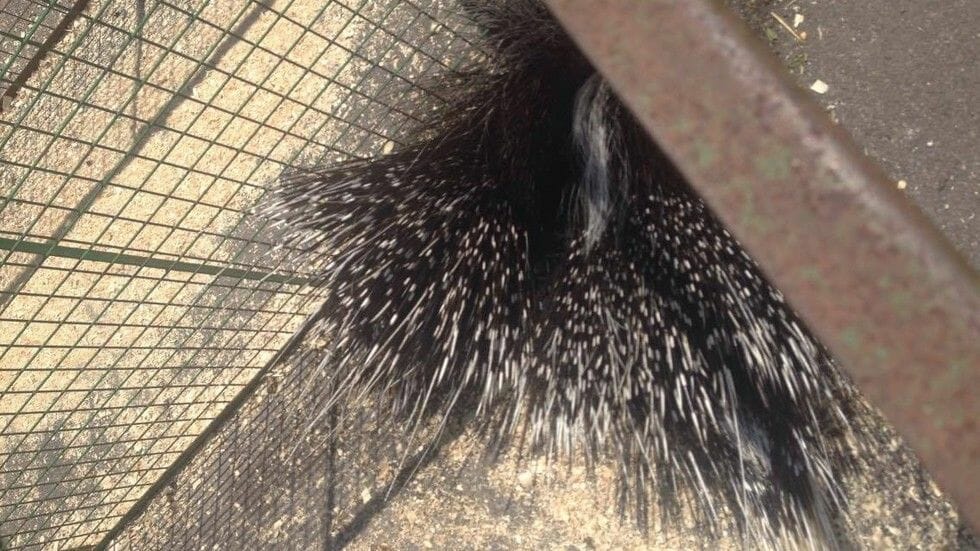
<point>138,295</point>
<point>28,30</point>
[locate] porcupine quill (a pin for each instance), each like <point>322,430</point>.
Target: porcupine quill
<point>533,247</point>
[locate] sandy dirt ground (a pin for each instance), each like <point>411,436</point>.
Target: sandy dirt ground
<point>108,370</point>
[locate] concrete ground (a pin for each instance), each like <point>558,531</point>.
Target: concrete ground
<point>903,78</point>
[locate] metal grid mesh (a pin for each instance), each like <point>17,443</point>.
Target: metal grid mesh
<point>28,29</point>
<point>138,295</point>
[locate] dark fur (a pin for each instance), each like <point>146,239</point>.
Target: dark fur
<point>533,247</point>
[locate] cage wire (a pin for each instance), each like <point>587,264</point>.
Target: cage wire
<point>27,30</point>
<point>138,294</point>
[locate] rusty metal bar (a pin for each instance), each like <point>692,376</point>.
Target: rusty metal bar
<point>872,278</point>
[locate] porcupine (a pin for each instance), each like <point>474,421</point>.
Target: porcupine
<point>531,246</point>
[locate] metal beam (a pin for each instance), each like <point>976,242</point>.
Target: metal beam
<point>871,277</point>
<point>52,248</point>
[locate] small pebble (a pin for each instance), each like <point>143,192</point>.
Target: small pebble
<point>819,86</point>
<point>902,184</point>
<point>525,479</point>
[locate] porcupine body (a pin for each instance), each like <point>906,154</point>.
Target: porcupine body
<point>533,248</point>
